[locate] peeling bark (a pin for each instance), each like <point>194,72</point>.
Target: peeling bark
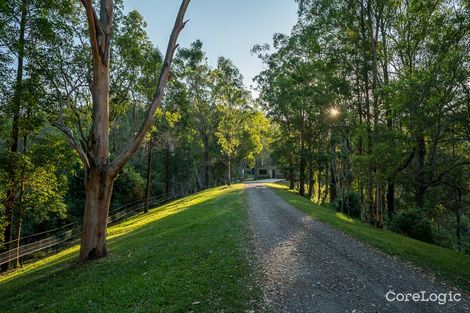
<point>100,172</point>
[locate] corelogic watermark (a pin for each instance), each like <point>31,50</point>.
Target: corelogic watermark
<point>423,296</point>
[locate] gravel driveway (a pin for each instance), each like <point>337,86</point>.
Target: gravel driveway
<point>307,266</point>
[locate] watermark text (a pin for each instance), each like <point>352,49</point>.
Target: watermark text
<point>423,296</point>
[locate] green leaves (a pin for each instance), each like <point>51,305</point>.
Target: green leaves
<point>399,72</point>
<point>229,129</point>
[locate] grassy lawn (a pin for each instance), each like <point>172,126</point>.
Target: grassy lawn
<point>447,263</point>
<point>189,255</point>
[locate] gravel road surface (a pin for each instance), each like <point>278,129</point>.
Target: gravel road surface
<point>308,266</point>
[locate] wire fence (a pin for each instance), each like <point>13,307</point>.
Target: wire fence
<point>54,240</point>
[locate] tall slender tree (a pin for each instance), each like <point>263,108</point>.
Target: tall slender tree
<point>100,171</point>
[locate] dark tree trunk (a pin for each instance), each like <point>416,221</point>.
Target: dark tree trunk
<point>420,175</point>
<point>229,172</point>
<point>365,60</point>
<point>302,163</point>
<point>19,218</point>
<point>360,143</point>
<point>302,175</point>
<point>372,217</point>
<point>333,193</point>
<point>319,178</point>
<point>19,225</point>
<point>149,176</point>
<point>19,222</point>
<point>9,205</point>
<point>11,192</point>
<point>458,217</point>
<point>390,183</point>
<point>327,182</point>
<point>311,180</point>
<point>361,200</point>
<point>291,174</point>
<point>167,174</point>
<point>391,200</point>
<point>332,165</point>
<point>206,163</point>
<point>379,206</point>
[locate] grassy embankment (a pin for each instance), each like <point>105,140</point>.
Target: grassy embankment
<point>449,264</point>
<point>189,255</point>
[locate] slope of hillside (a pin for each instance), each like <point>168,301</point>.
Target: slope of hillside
<point>189,255</point>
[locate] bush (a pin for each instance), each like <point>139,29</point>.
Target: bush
<point>414,223</point>
<point>352,204</point>
<point>128,187</point>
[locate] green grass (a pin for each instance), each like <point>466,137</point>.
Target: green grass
<point>449,264</point>
<point>189,255</point>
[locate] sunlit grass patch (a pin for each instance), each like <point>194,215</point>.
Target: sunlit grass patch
<point>447,263</point>
<point>174,207</point>
<point>344,217</point>
<point>188,255</point>
<point>126,227</point>
<point>58,261</point>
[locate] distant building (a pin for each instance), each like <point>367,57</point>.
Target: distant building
<point>268,172</point>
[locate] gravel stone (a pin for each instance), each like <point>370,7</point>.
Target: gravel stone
<point>308,266</point>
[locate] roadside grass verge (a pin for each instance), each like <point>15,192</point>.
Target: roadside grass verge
<point>449,264</point>
<point>188,255</point>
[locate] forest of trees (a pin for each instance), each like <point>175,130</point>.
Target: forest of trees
<point>365,107</point>
<point>79,100</point>
<point>371,99</point>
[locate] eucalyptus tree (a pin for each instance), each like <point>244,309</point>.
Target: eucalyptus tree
<point>231,99</point>
<point>256,139</point>
<point>229,135</point>
<point>280,96</point>
<point>298,89</point>
<point>100,171</point>
<point>194,72</point>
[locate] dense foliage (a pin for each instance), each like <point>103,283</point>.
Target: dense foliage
<point>367,108</point>
<point>206,132</point>
<point>372,102</point>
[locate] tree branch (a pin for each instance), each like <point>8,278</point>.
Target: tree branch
<point>438,179</point>
<point>405,162</point>
<point>75,144</point>
<point>135,143</point>
<point>105,24</point>
<point>94,29</point>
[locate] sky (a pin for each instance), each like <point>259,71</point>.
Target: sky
<point>228,28</point>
